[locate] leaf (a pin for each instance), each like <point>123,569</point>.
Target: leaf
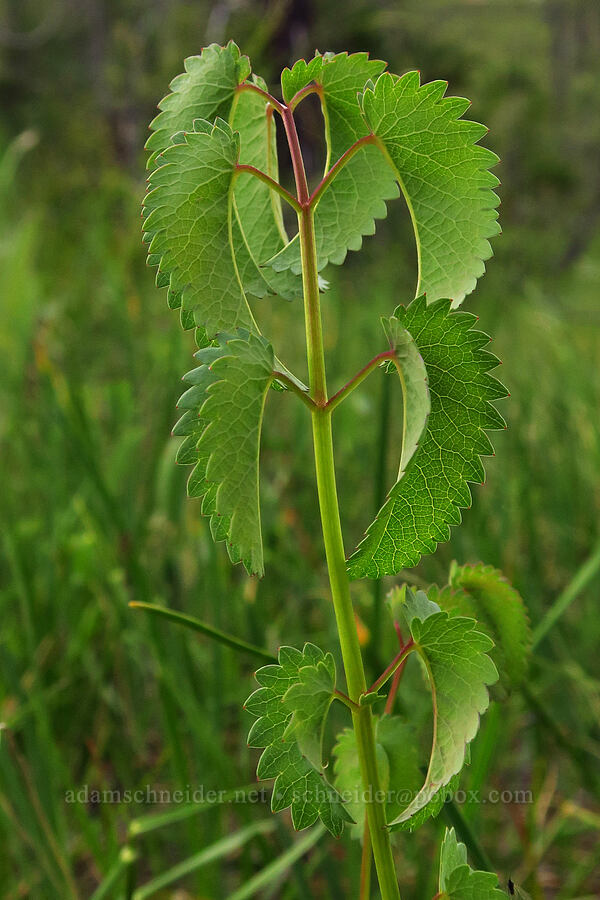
<point>222,424</point>
<point>348,208</point>
<point>427,499</point>
<point>443,175</point>
<point>206,90</point>
<point>309,700</point>
<point>400,774</point>
<point>416,403</point>
<point>405,605</point>
<point>484,593</point>
<point>299,784</point>
<point>458,881</point>
<point>189,224</point>
<point>455,657</point>
<point>397,764</point>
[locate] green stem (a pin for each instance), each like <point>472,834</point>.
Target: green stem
<point>332,532</point>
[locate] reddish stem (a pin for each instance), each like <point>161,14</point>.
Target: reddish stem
<point>335,169</point>
<point>395,663</point>
<point>312,88</point>
<point>356,380</point>
<point>296,154</point>
<point>248,86</point>
<point>365,864</point>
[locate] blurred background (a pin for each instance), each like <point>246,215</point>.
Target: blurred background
<point>93,511</point>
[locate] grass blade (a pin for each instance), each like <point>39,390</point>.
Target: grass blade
<point>580,580</point>
<point>145,824</point>
<point>125,860</point>
<point>196,625</point>
<point>203,858</point>
<point>279,867</point>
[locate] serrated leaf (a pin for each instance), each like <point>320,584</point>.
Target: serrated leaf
<point>222,423</point>
<point>459,670</point>
<point>416,403</point>
<point>428,498</point>
<point>348,208</point>
<point>309,700</point>
<point>189,223</point>
<point>483,593</point>
<point>299,76</point>
<point>299,784</point>
<point>405,605</point>
<point>444,176</point>
<point>457,880</point>
<point>205,90</point>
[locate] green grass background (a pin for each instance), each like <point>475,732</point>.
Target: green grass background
<point>93,512</point>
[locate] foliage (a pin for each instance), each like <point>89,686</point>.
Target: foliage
<point>93,513</point>
<point>291,704</point>
<point>457,880</point>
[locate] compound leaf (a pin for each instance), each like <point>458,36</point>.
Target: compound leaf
<point>485,594</point>
<point>348,208</point>
<point>283,723</point>
<point>444,176</point>
<point>458,881</point>
<point>427,499</point>
<point>221,425</point>
<point>455,657</point>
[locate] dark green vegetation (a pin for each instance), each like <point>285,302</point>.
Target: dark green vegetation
<point>93,509</point>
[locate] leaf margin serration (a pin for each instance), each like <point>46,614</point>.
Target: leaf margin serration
<point>368,560</point>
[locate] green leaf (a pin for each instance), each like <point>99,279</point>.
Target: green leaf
<point>458,881</point>
<point>206,90</point>
<point>443,175</point>
<point>222,420</point>
<point>397,765</point>
<point>427,499</point>
<point>299,783</point>
<point>400,774</point>
<point>348,208</point>
<point>209,90</point>
<point>455,657</point>
<point>309,701</point>
<point>189,224</point>
<point>484,593</point>
<point>300,75</point>
<point>416,403</point>
<point>405,605</point>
